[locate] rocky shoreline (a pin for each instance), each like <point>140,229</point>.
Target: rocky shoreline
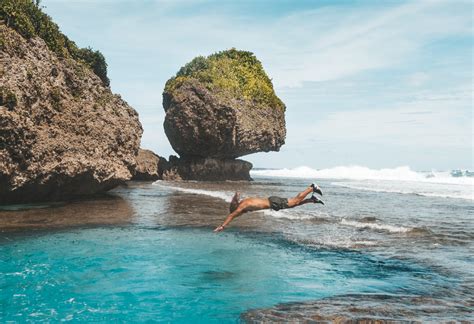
<point>363,309</point>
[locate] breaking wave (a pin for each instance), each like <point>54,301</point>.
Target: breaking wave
<point>385,227</point>
<point>398,180</point>
<point>428,190</point>
<point>403,173</point>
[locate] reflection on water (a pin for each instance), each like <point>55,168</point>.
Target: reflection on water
<point>102,210</point>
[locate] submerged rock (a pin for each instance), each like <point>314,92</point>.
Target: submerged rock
<point>62,132</point>
<point>223,107</point>
<point>150,166</point>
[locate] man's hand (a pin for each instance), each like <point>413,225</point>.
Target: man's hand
<point>219,228</point>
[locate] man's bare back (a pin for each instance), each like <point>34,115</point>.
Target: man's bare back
<point>238,207</point>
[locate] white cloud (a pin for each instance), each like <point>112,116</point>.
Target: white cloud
<point>417,79</point>
<point>317,45</point>
<point>418,124</point>
<point>359,40</point>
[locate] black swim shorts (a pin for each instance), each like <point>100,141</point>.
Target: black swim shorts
<point>277,203</point>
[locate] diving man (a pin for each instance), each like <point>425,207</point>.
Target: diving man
<point>238,207</point>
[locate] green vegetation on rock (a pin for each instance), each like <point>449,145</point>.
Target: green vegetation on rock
<point>26,17</point>
<point>232,72</point>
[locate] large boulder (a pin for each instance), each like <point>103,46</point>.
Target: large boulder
<point>223,106</point>
<point>62,132</point>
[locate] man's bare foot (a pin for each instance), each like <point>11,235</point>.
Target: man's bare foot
<point>219,228</point>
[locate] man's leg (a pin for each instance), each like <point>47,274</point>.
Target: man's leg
<point>296,201</point>
<point>312,200</point>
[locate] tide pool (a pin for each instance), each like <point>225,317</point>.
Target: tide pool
<point>133,273</point>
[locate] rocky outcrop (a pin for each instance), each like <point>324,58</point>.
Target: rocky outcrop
<point>150,166</point>
<point>219,108</point>
<point>364,309</point>
<point>207,169</point>
<point>200,123</point>
<point>62,132</point>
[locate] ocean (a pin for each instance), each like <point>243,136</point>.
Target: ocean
<point>147,252</point>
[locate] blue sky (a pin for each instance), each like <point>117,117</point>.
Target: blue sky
<point>371,83</point>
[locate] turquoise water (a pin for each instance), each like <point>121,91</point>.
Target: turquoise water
<point>179,275</point>
<point>148,253</point>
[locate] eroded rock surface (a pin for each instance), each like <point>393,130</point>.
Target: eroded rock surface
<point>365,309</point>
<point>150,166</point>
<point>207,169</point>
<point>62,132</point>
<point>200,123</point>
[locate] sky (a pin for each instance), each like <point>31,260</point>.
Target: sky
<point>379,84</point>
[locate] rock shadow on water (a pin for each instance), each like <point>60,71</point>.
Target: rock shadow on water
<point>101,210</point>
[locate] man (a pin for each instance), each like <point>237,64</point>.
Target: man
<point>238,208</point>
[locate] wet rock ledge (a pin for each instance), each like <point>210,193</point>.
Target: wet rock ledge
<point>365,309</point>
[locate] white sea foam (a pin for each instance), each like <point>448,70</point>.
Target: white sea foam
<point>380,227</point>
<point>403,173</point>
<point>397,180</point>
<point>332,238</point>
<point>226,196</point>
<point>422,189</point>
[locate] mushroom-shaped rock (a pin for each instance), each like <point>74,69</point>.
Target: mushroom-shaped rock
<point>223,106</point>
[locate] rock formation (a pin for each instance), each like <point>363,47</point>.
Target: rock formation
<point>62,132</point>
<point>220,108</point>
<point>149,167</point>
<point>207,169</point>
<point>364,309</point>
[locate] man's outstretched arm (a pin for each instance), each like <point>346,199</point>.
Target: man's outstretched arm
<point>239,211</point>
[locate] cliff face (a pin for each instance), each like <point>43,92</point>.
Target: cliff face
<point>62,132</point>
<point>219,108</point>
